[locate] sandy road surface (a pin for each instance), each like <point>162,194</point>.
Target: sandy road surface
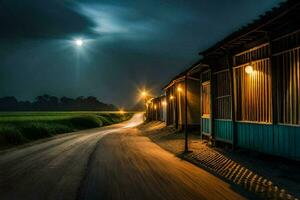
<point>114,162</point>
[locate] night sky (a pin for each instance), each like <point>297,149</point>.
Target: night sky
<point>128,45</point>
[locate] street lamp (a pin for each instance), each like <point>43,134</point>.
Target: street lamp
<point>121,111</point>
<point>144,94</point>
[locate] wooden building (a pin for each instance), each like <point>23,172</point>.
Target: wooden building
<point>157,109</point>
<point>255,84</point>
<point>183,98</point>
<point>245,91</point>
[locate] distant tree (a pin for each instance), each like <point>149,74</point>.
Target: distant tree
<point>53,101</point>
<point>67,101</point>
<point>91,100</point>
<point>48,102</point>
<point>79,100</point>
<point>8,101</point>
<point>42,100</point>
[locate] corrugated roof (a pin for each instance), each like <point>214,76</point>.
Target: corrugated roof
<point>240,37</point>
<point>182,74</point>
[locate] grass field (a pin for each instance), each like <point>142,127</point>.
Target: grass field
<point>21,127</point>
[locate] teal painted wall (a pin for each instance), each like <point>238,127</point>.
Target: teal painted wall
<point>287,141</point>
<point>205,122</point>
<point>258,137</point>
<point>281,140</point>
<point>223,130</point>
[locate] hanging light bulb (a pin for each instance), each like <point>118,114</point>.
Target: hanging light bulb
<point>249,69</point>
<point>179,89</point>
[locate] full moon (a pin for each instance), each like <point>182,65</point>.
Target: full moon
<point>79,42</point>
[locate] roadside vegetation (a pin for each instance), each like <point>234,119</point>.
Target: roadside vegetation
<point>21,127</point>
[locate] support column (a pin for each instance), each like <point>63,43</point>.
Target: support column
<point>186,143</point>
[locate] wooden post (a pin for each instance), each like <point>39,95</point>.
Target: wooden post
<point>186,144</point>
<point>212,97</point>
<point>201,101</point>
<point>274,87</point>
<point>233,117</point>
<point>274,84</point>
<point>176,106</point>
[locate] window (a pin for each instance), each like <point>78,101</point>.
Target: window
<point>223,96</point>
<point>288,85</point>
<point>253,92</point>
<point>206,99</point>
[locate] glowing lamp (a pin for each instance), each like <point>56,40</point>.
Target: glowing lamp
<point>164,103</point>
<point>144,94</point>
<point>179,89</point>
<point>171,97</point>
<point>121,112</point>
<point>249,69</point>
<point>155,107</point>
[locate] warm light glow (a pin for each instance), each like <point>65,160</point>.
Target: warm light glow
<point>179,89</point>
<point>79,42</point>
<point>144,94</point>
<point>249,69</point>
<point>121,111</point>
<point>164,103</point>
<point>155,107</point>
<point>171,97</point>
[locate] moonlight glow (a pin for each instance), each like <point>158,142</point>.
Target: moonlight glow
<point>79,42</point>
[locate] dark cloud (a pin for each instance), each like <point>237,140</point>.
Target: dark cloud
<point>130,44</point>
<point>40,18</point>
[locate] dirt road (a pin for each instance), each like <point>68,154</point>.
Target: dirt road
<point>114,162</point>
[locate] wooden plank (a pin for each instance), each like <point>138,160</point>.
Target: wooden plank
<point>298,84</point>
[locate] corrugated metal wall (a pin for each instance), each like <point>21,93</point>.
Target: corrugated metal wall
<point>253,90</point>
<point>205,124</point>
<point>258,137</point>
<point>224,130</point>
<point>288,86</point>
<point>206,103</point>
<point>223,126</point>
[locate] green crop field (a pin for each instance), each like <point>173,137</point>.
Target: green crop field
<point>21,127</point>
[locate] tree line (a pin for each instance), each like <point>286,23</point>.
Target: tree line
<point>53,103</point>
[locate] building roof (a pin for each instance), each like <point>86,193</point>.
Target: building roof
<point>276,19</point>
<point>197,66</point>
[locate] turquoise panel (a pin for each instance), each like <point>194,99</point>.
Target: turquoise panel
<point>206,125</point>
<point>258,137</point>
<point>287,141</point>
<point>223,130</point>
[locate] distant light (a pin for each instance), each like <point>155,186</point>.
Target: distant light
<point>155,107</point>
<point>164,103</point>
<point>144,94</point>
<point>79,42</point>
<point>249,69</point>
<point>179,89</point>
<point>171,97</point>
<point>121,111</point>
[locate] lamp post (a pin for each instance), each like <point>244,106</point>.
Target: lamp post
<point>186,144</point>
<point>145,96</point>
